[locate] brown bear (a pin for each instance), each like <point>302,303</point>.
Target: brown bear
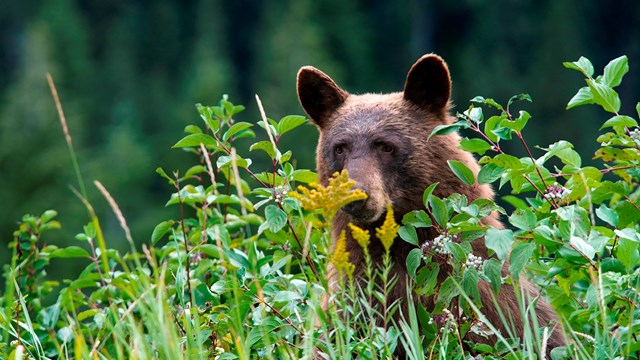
<point>381,139</point>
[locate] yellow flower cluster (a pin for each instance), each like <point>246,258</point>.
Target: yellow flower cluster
<point>331,198</point>
<point>361,236</point>
<point>340,257</point>
<point>389,229</point>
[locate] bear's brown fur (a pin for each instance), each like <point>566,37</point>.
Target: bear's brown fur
<point>381,139</point>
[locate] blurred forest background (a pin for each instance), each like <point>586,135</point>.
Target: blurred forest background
<point>129,73</point>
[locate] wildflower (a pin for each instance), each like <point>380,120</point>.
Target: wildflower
<point>438,245</point>
<point>474,262</point>
<point>331,198</point>
<point>340,257</point>
<point>480,328</point>
<point>361,236</point>
<point>279,193</point>
<point>635,135</point>
<point>388,231</point>
<point>557,192</point>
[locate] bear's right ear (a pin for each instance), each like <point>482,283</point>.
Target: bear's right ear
<point>428,83</point>
<point>318,94</point>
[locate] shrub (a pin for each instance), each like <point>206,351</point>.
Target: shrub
<point>240,272</point>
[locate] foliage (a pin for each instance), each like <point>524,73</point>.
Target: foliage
<point>246,268</point>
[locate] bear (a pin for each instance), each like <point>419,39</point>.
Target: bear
<point>382,140</point>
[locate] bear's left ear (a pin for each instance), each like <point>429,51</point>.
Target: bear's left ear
<point>428,83</point>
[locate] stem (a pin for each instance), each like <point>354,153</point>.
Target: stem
<point>185,238</point>
<point>275,311</point>
<point>602,171</point>
<point>533,162</point>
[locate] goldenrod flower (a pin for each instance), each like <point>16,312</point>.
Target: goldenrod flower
<point>361,236</point>
<point>389,229</point>
<point>340,257</point>
<point>331,198</point>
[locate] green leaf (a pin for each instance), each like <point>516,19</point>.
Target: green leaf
<point>499,241</point>
<point>226,161</point>
<point>620,120</point>
<point>69,252</point>
<point>520,257</point>
<point>489,102</point>
<point>413,261</point>
<point>439,211</point>
<point>194,170</point>
<point>506,161</point>
<point>304,176</point>
<point>543,235</point>
<point>287,296</point>
<point>265,146</point>
<point>604,96</point>
<point>521,121</point>
<point>475,114</point>
<point>462,171</point>
<point>629,234</point>
<point>613,265</point>
<point>491,124</point>
<point>627,253</point>
<point>607,215</point>
<point>427,278</point>
<point>447,129</point>
<point>47,216</point>
<point>408,234</point>
<point>162,173</point>
<point>523,219</point>
<point>493,270</point>
<point>417,219</point>
<point>160,230</point>
<point>275,218</point>
<point>289,123</point>
<point>448,290</point>
<point>478,146</point>
<point>582,97</point>
<point>194,140</point>
<point>427,193</point>
<point>234,129</point>
<point>192,129</point>
<point>519,97</point>
<point>583,65</point>
<point>638,108</point>
<point>489,173</point>
<point>456,251</point>
<point>469,283</point>
<point>615,71</point>
<point>582,247</point>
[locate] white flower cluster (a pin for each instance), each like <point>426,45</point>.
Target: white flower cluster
<point>280,193</point>
<point>557,192</point>
<point>481,329</point>
<point>635,135</point>
<point>438,244</point>
<point>474,262</point>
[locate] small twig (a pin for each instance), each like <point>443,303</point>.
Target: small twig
<point>266,125</point>
<point>67,135</point>
<point>631,202</point>
<point>261,301</point>
<point>533,161</point>
<point>116,210</point>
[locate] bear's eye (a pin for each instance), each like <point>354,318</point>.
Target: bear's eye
<point>386,148</point>
<point>339,149</point>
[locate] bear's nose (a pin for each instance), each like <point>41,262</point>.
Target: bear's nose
<point>356,208</point>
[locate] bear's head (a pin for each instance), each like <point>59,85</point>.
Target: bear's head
<point>381,139</point>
